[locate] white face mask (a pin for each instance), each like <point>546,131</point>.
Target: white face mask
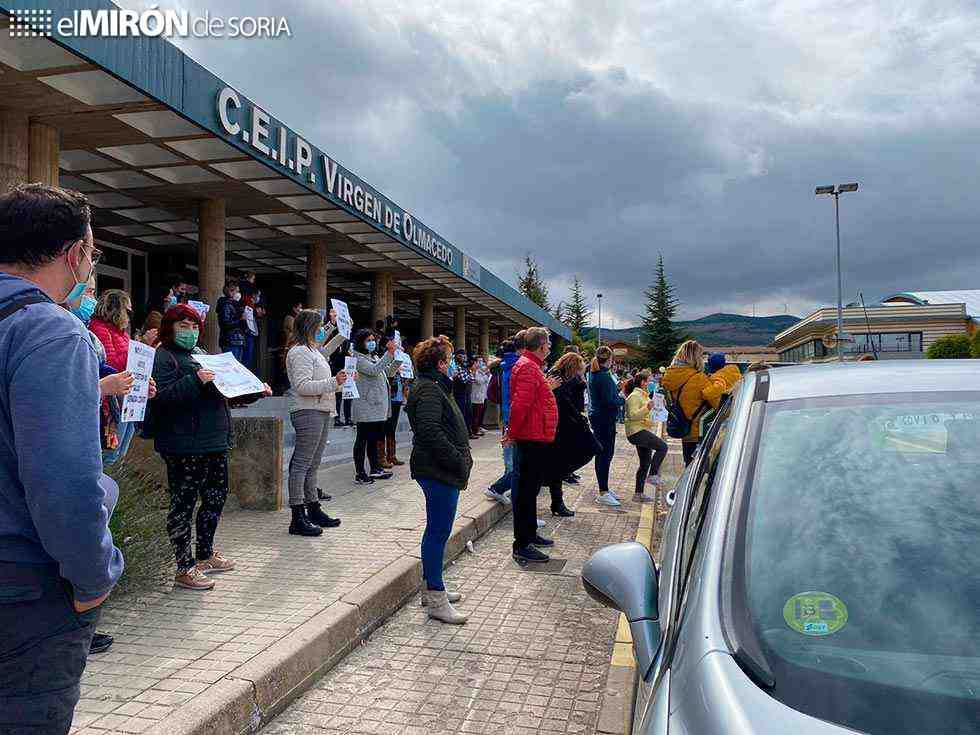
<point>237,296</point>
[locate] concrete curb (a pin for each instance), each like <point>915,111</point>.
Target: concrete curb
<point>258,690</point>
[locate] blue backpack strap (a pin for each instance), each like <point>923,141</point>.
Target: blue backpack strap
<point>14,306</point>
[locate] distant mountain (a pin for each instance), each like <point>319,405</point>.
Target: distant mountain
<point>717,330</point>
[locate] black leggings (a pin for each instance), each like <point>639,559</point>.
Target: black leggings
<point>193,476</point>
<point>369,433</point>
<point>652,450</point>
<point>391,425</point>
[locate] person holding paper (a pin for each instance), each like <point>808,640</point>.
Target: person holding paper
<point>650,448</point>
<point>372,408</point>
<point>336,365</point>
<point>231,320</point>
<point>110,324</point>
<point>311,405</point>
<point>389,447</point>
<point>191,428</point>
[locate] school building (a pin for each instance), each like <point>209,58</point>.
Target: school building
<point>899,327</point>
<point>188,175</point>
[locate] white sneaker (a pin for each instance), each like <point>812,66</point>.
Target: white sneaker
<point>608,499</point>
<point>613,495</point>
<point>541,524</point>
<point>502,499</point>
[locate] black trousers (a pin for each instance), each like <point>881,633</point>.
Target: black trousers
<point>369,433</point>
<point>346,406</point>
<point>652,450</point>
<point>690,449</point>
<point>43,649</point>
<point>605,431</point>
<point>391,425</point>
<point>529,464</point>
<point>557,494</point>
<point>192,477</point>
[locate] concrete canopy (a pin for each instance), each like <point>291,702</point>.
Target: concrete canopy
<point>142,136</point>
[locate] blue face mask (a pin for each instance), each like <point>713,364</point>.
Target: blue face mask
<point>76,292</point>
<point>652,387</point>
<point>321,335</point>
<point>172,302</point>
<point>371,345</point>
<point>85,309</point>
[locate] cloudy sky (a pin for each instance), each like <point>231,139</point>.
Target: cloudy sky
<point>597,135</point>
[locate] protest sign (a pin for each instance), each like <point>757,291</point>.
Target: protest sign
<point>249,315</point>
<point>139,363</point>
<point>344,322</point>
<point>398,340</point>
<point>201,308</point>
<point>350,367</point>
<point>231,378</point>
<point>659,412</point>
<point>405,370</point>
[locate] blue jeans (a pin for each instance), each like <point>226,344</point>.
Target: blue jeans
<point>605,432</point>
<point>440,512</point>
<point>126,433</point>
<point>506,482</point>
<point>248,351</point>
<point>43,648</point>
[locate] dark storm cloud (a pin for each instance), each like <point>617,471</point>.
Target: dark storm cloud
<point>598,135</point>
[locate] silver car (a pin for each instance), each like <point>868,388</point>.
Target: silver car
<point>820,570</point>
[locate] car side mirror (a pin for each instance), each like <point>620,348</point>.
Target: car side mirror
<point>624,577</point>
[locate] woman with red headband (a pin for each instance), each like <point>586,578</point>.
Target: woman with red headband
<point>190,424</point>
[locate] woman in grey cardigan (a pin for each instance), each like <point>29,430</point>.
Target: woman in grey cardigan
<point>372,408</point>
<point>311,405</point>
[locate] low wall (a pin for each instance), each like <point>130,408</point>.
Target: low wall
<point>255,476</point>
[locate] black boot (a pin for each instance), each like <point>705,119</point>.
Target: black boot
<point>317,516</point>
<point>562,511</point>
<point>301,525</point>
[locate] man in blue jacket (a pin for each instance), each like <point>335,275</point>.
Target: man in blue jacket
<point>57,559</point>
<point>506,482</point>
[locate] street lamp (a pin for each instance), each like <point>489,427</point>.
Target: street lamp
<point>599,328</point>
<point>835,192</point>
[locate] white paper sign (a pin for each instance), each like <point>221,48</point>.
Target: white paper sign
<point>350,367</point>
<point>398,341</point>
<point>249,314</point>
<point>659,412</point>
<point>201,308</point>
<point>344,322</point>
<point>139,363</point>
<point>406,363</point>
<point>231,378</point>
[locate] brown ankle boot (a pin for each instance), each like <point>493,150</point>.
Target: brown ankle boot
<point>383,455</point>
<point>391,446</point>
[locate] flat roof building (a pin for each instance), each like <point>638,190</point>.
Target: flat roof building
<point>899,327</point>
<point>187,174</point>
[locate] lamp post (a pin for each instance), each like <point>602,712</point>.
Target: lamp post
<point>599,328</point>
<point>835,192</point>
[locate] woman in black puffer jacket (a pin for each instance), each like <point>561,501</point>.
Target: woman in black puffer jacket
<point>441,464</point>
<point>191,428</point>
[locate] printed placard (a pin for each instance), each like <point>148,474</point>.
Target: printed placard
<point>659,411</point>
<point>350,367</point>
<point>344,323</point>
<point>139,363</point>
<point>231,378</point>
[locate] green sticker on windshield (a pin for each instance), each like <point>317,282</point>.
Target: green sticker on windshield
<point>815,613</point>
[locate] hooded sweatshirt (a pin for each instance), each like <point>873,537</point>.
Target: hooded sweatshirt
<point>55,503</point>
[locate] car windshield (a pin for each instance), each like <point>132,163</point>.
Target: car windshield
<point>861,559</point>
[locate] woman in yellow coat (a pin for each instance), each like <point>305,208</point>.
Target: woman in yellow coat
<point>695,391</point>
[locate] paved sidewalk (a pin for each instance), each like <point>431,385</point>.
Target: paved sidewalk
<point>533,658</point>
<point>175,645</point>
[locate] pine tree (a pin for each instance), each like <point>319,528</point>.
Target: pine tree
<point>577,313</point>
<point>660,337</point>
<point>530,284</point>
<point>561,312</point>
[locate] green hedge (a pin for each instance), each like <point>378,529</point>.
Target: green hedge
<point>950,347</point>
<point>975,345</point>
<point>139,524</point>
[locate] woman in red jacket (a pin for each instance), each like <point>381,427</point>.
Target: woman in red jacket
<point>111,325</point>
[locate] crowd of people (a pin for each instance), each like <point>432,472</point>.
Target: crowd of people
<point>64,351</point>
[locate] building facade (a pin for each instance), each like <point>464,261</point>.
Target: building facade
<point>188,176</point>
<point>899,327</point>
